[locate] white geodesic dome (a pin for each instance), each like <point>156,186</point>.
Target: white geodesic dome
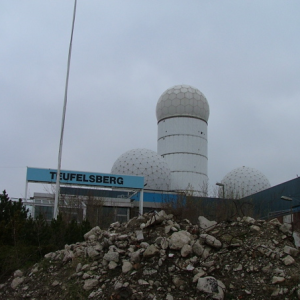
<point>182,100</point>
<point>244,181</point>
<point>147,163</point>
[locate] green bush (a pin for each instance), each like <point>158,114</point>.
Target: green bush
<point>24,241</point>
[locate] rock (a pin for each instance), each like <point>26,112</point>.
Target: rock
<point>122,237</point>
<point>49,255</point>
<point>16,281</point>
<point>179,239</point>
<point>211,241</point>
<point>255,228</point>
<point>288,260</point>
<point>90,284</point>
<point>291,251</point>
<point>95,294</point>
<point>164,243</point>
<point>55,283</point>
<point>135,256</point>
<point>78,268</point>
<point>200,273</point>
<point>151,251</point>
<point>18,273</point>
<point>238,267</point>
<point>186,250</point>
<point>126,267</point>
<point>115,225</point>
<point>86,276</point>
<point>112,265</point>
<point>275,292</point>
<point>198,248</point>
<point>205,224</point>
<point>85,267</point>
<point>178,281</point>
<point>277,279</point>
<point>111,256</point>
<point>69,255</point>
<point>248,220</point>
<point>92,253</point>
<point>285,228</point>
<point>279,272</point>
<point>139,235</point>
<point>210,286</point>
<point>168,229</point>
<point>267,269</point>
<point>92,238</point>
<point>143,282</point>
<point>34,270</point>
<point>144,245</point>
<point>96,231</point>
<point>149,272</point>
<point>275,222</point>
<point>190,267</point>
<point>156,219</point>
<point>296,236</point>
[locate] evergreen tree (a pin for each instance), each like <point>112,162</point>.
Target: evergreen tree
<point>13,215</point>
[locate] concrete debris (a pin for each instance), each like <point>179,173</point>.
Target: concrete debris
<point>18,273</point>
<point>16,281</point>
<point>158,257</point>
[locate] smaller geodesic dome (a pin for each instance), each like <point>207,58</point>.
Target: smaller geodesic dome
<point>146,163</point>
<point>244,181</point>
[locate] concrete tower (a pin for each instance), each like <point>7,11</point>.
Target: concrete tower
<point>182,113</point>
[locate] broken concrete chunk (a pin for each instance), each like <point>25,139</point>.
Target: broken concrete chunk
<point>139,235</point>
<point>186,250</point>
<point>179,239</point>
<point>18,273</point>
<point>151,251</point>
<point>90,284</point>
<point>277,279</point>
<point>255,228</point>
<point>248,220</point>
<point>111,256</point>
<point>126,267</point>
<point>285,228</point>
<point>16,281</point>
<point>96,231</point>
<point>211,241</point>
<point>288,260</point>
<point>205,224</point>
<point>291,251</point>
<point>210,285</point>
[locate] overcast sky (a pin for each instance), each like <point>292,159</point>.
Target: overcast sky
<point>244,56</point>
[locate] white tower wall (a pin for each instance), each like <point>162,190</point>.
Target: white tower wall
<point>182,142</point>
<point>182,114</point>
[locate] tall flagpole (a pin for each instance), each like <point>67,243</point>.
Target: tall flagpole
<point>57,191</point>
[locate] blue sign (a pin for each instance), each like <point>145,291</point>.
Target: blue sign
<point>84,178</point>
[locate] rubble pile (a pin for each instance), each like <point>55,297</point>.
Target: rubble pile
<point>156,257</point>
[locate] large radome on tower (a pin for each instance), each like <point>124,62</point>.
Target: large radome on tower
<point>182,113</point>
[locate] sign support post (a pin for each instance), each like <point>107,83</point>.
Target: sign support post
<point>141,204</point>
